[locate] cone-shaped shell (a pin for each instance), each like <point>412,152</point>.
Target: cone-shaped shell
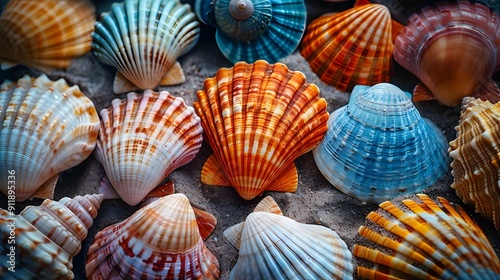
<point>423,240</point>
<point>350,48</point>
<point>476,157</point>
<point>378,146</point>
<point>46,33</point>
<point>453,48</point>
<point>143,39</point>
<point>143,139</point>
<point>46,127</point>
<point>272,246</point>
<point>47,237</point>
<point>161,241</point>
<point>258,118</point>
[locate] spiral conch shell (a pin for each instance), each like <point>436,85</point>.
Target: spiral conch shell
<point>46,237</point>
<point>476,157</point>
<point>423,240</point>
<point>258,118</point>
<point>160,241</point>
<point>272,246</point>
<point>143,139</point>
<point>46,33</point>
<point>143,39</point>
<point>46,127</point>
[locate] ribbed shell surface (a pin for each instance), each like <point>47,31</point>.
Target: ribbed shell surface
<point>46,127</point>
<point>378,146</point>
<point>143,139</point>
<point>160,241</point>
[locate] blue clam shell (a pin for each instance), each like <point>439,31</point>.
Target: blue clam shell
<point>378,146</point>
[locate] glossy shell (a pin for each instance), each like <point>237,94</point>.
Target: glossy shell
<point>46,127</point>
<point>453,48</point>
<point>258,118</point>
<point>45,34</point>
<point>47,237</point>
<point>423,240</point>
<point>378,146</point>
<point>143,39</point>
<point>476,157</point>
<point>160,241</point>
<point>272,246</point>
<point>143,139</point>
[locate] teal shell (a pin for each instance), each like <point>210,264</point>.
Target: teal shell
<point>378,146</point>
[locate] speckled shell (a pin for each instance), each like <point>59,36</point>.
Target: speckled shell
<point>476,157</point>
<point>350,48</point>
<point>453,48</point>
<point>258,118</point>
<point>378,146</point>
<point>46,127</point>
<point>45,33</point>
<point>272,246</point>
<point>423,240</point>
<point>143,139</point>
<point>47,237</point>
<point>143,39</point>
<point>160,240</point>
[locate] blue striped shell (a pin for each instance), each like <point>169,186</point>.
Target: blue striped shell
<point>378,146</point>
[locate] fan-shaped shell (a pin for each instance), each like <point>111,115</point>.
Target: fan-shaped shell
<point>46,237</point>
<point>46,127</point>
<point>45,34</point>
<point>378,146</point>
<point>423,240</point>
<point>161,240</point>
<point>453,48</point>
<point>258,118</point>
<point>143,139</point>
<point>143,39</point>
<point>476,157</point>
<point>272,246</point>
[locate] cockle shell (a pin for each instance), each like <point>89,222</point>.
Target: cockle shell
<point>46,237</point>
<point>143,139</point>
<point>454,49</point>
<point>159,241</point>
<point>46,127</point>
<point>258,118</point>
<point>45,33</point>
<point>423,240</point>
<point>401,10</point>
<point>272,246</point>
<point>476,157</point>
<point>378,146</point>
<point>249,30</point>
<point>351,48</point>
<point>143,39</point>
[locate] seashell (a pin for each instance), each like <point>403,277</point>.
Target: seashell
<point>160,241</point>
<point>143,39</point>
<point>258,118</point>
<point>272,246</point>
<point>47,237</point>
<point>378,146</point>
<point>454,49</point>
<point>401,10</point>
<point>143,139</point>
<point>46,127</point>
<point>423,240</point>
<point>251,30</point>
<point>476,157</point>
<point>45,34</point>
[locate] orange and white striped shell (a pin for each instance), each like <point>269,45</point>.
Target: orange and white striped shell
<point>46,33</point>
<point>143,139</point>
<point>258,118</point>
<point>476,157</point>
<point>423,240</point>
<point>160,241</point>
